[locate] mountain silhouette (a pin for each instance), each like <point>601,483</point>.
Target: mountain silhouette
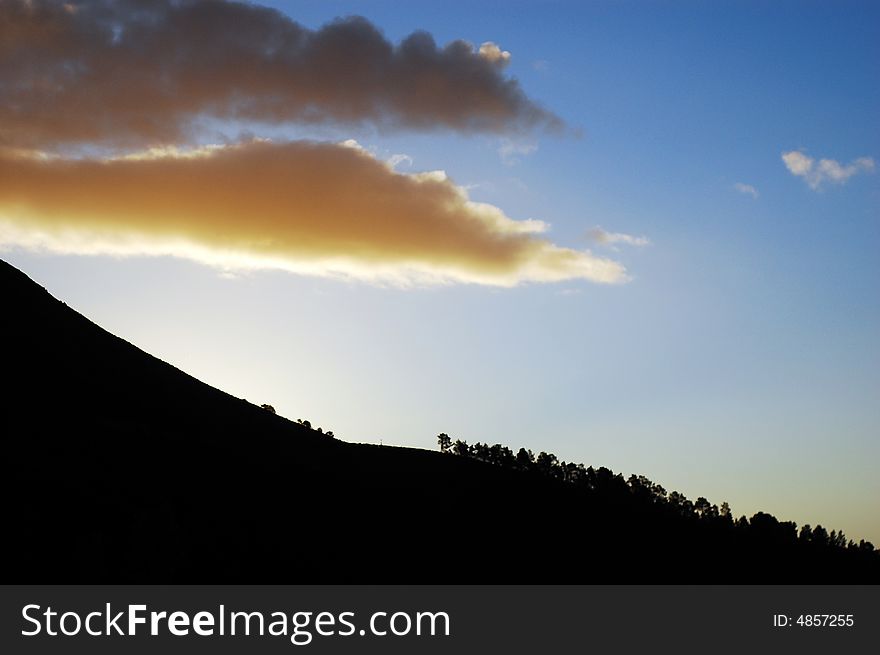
<point>125,469</point>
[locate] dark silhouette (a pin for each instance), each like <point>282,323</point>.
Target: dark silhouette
<point>762,531</point>
<point>124,469</point>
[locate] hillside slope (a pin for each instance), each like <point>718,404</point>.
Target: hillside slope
<point>125,469</point>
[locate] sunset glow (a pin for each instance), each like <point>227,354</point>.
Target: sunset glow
<point>638,235</point>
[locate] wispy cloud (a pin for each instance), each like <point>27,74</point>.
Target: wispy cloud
<point>397,159</point>
<point>511,150</point>
<point>311,208</point>
<point>746,189</point>
<point>816,174</point>
<point>541,65</point>
<point>605,238</point>
<point>137,72</point>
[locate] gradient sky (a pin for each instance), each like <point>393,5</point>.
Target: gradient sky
<point>740,361</point>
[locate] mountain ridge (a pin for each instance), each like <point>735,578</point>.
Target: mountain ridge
<point>126,469</point>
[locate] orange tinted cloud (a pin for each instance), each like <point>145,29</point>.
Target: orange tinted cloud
<point>314,208</point>
<point>141,71</point>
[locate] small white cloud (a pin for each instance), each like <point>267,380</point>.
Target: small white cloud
<point>797,162</point>
<point>510,150</point>
<point>353,144</point>
<point>540,65</point>
<point>747,189</point>
<point>493,53</point>
<point>611,239</point>
<point>826,170</point>
<point>397,159</point>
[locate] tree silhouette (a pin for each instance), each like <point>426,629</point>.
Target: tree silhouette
<point>461,448</point>
<point>547,463</point>
<point>820,536</point>
<point>700,521</point>
<point>525,459</point>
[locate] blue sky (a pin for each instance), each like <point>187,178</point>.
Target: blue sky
<point>740,362</point>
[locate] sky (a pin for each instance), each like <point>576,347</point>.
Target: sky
<point>640,235</point>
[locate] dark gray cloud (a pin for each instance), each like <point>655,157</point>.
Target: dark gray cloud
<point>140,71</point>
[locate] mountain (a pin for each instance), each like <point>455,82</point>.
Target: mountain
<point>125,469</point>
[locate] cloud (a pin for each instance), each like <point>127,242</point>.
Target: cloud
<point>510,150</point>
<point>797,162</point>
<point>605,238</point>
<point>143,72</point>
<point>397,159</point>
<point>311,208</point>
<point>826,170</point>
<point>746,189</point>
<point>494,54</point>
<point>541,65</point>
